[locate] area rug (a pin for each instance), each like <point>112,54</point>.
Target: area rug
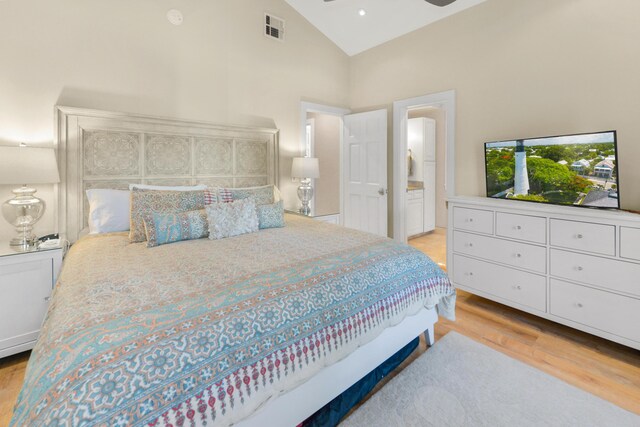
<point>460,382</point>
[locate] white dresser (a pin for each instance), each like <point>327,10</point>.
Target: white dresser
<point>576,266</point>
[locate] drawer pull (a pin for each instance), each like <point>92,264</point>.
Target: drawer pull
<point>469,273</point>
<point>470,219</point>
<point>470,245</point>
<point>579,305</point>
<point>579,268</point>
<point>518,255</point>
<point>517,287</point>
<point>47,298</point>
<point>517,227</point>
<point>579,236</point>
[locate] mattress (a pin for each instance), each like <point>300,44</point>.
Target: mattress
<point>204,332</point>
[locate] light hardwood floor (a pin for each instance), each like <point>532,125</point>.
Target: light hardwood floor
<point>598,366</point>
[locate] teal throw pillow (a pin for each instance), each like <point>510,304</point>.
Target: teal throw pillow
<point>163,228</point>
<point>271,216</point>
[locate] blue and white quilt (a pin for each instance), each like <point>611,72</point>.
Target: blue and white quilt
<point>203,332</point>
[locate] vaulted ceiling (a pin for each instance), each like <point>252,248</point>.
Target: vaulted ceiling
<point>358,25</point>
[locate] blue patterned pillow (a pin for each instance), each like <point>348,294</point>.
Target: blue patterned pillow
<point>162,228</point>
<point>271,216</point>
<point>263,195</point>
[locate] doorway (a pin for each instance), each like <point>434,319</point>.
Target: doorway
<point>358,169</point>
<point>321,137</point>
<point>420,196</point>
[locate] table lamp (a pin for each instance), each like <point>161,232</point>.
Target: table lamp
<point>305,168</point>
<point>26,165</point>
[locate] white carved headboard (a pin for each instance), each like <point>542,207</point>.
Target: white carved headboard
<point>100,149</point>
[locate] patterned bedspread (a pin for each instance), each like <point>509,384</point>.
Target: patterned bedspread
<point>203,332</point>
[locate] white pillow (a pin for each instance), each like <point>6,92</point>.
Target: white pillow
<point>232,219</point>
<point>168,187</point>
<point>277,195</point>
<point>108,210</point>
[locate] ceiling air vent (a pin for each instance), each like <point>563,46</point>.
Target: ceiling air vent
<point>274,27</point>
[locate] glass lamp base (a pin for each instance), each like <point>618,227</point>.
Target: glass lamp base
<point>24,244</point>
<point>305,194</point>
<point>23,212</point>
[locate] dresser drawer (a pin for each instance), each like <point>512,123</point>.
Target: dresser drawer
<point>514,285</point>
<point>618,276</point>
<point>583,236</point>
<point>522,227</point>
<point>630,243</point>
<point>477,220</point>
<point>605,311</point>
<point>521,255</point>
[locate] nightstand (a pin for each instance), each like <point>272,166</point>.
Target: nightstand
<point>330,218</point>
<point>26,282</point>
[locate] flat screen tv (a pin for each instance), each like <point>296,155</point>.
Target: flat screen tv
<point>576,170</point>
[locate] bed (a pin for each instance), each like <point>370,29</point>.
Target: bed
<point>263,328</point>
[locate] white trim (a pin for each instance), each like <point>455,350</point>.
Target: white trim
<point>444,100</point>
<point>312,137</point>
<point>310,107</point>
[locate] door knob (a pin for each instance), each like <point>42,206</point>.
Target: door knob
<point>382,191</point>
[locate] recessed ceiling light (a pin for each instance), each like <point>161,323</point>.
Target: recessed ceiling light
<point>362,12</point>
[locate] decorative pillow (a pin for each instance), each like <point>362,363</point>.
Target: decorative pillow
<point>108,210</point>
<point>263,195</point>
<point>168,187</point>
<point>144,202</point>
<point>271,216</point>
<point>174,227</point>
<point>217,195</point>
<point>232,219</point>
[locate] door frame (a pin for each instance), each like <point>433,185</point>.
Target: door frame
<point>311,107</point>
<point>446,101</point>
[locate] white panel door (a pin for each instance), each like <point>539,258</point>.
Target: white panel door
<point>365,171</point>
<point>429,140</point>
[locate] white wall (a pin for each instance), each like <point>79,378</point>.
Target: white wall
<point>327,149</point>
<point>123,55</point>
<point>520,68</point>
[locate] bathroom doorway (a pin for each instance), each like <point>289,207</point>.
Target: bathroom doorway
<point>426,201</point>
<point>423,177</point>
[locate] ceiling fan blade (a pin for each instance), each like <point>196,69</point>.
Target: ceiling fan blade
<point>440,3</point>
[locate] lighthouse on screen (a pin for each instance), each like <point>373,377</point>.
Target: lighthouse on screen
<point>521,178</point>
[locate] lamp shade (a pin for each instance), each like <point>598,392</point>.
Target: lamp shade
<point>28,165</point>
<point>305,167</point>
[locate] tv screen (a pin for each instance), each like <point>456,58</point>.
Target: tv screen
<point>578,170</point>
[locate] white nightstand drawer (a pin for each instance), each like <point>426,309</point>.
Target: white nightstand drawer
<point>25,289</point>
<point>514,285</point>
<point>630,243</point>
<point>477,220</point>
<point>26,282</point>
<point>522,227</point>
<point>602,310</point>
<point>331,219</point>
<point>521,255</point>
<point>618,276</point>
<point>583,236</point>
